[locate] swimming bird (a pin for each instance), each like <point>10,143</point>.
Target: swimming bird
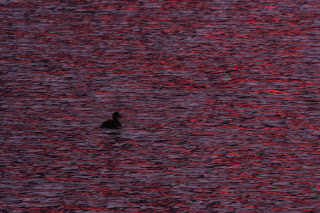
<point>112,124</point>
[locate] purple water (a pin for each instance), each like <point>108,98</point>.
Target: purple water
<point>219,103</point>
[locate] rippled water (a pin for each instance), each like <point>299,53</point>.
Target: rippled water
<point>219,103</point>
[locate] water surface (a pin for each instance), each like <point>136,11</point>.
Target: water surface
<point>220,106</point>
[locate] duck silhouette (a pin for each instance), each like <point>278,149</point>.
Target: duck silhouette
<point>112,124</point>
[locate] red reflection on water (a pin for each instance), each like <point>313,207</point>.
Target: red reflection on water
<point>258,120</point>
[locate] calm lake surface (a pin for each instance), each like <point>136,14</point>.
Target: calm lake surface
<point>219,102</point>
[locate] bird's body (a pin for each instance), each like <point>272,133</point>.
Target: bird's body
<point>112,124</point>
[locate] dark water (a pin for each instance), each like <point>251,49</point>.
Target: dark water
<point>220,106</point>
